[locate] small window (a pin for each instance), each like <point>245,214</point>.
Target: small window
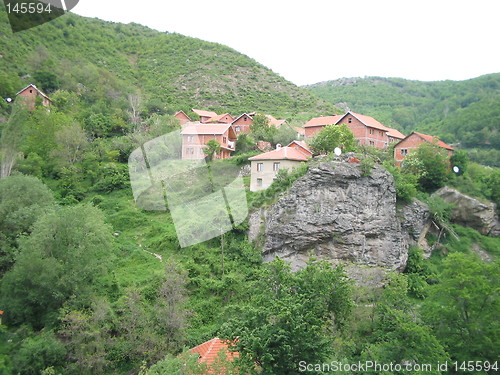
<point>224,140</point>
<point>276,166</point>
<point>31,91</point>
<point>381,133</point>
<point>190,138</point>
<point>349,120</point>
<point>372,143</point>
<point>260,167</point>
<point>259,182</point>
<point>404,151</point>
<point>371,131</point>
<point>237,128</point>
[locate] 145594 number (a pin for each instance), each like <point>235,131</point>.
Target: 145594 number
<point>28,8</point>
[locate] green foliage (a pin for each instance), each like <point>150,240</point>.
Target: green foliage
<point>60,260</point>
<point>460,159</point>
<point>431,164</point>
<point>288,316</point>
<point>111,176</point>
<point>47,80</point>
<point>183,364</point>
<point>366,166</point>
<point>418,273</point>
<point>261,130</point>
<point>462,308</point>
<point>333,136</point>
<point>213,148</point>
<point>23,200</point>
<point>406,183</point>
<point>39,353</point>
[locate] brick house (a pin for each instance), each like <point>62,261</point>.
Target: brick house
<point>204,115</point>
<point>29,95</point>
<point>242,123</point>
<point>302,147</point>
<point>316,124</point>
<point>183,118</point>
<point>274,121</point>
<point>265,167</point>
<point>413,141</point>
<point>225,118</point>
<point>367,131</point>
<point>195,136</point>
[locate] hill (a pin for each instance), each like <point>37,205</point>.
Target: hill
<point>107,61</point>
<point>459,112</point>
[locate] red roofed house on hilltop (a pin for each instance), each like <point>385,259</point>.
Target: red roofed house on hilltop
<point>30,93</point>
<point>195,136</point>
<point>183,118</point>
<point>204,115</point>
<point>265,167</point>
<point>367,131</point>
<point>411,142</point>
<point>209,352</point>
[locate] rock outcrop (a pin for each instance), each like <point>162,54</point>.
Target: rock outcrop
<point>470,212</point>
<point>336,214</point>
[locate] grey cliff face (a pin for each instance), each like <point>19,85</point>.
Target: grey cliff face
<point>471,212</point>
<point>336,214</point>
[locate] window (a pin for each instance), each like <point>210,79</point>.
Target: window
<point>190,151</point>
<point>31,91</point>
<point>381,133</point>
<point>224,140</point>
<point>237,128</point>
<point>404,151</point>
<point>260,167</point>
<point>259,182</point>
<point>371,131</point>
<point>190,138</point>
<point>350,120</point>
<point>372,143</point>
<point>276,166</point>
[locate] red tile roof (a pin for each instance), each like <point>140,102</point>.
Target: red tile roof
<point>249,115</point>
<point>209,351</point>
<point>203,113</point>
<point>283,153</point>
<point>323,120</point>
<point>432,139</point>
<point>217,118</point>
<point>300,131</point>
<point>275,122</point>
<point>194,128</point>
<point>303,145</point>
<point>368,121</point>
<point>395,133</point>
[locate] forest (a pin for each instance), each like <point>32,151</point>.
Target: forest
<point>92,284</point>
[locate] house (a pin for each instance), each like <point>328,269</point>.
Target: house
<point>367,131</point>
<point>183,118</point>
<point>204,115</point>
<point>316,124</point>
<point>195,136</point>
<point>302,147</point>
<point>394,135</point>
<point>209,352</point>
<point>301,132</point>
<point>411,142</point>
<point>225,118</point>
<point>242,123</point>
<point>30,94</point>
<point>265,167</point>
<point>275,122</point>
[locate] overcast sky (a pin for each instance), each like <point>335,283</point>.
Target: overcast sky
<point>318,40</point>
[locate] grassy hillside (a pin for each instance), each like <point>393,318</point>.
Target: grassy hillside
<point>464,112</point>
<point>107,61</point>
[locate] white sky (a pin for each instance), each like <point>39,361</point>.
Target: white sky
<point>318,40</point>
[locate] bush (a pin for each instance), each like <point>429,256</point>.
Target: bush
<point>112,176</point>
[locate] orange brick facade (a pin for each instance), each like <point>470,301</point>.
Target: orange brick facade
<point>242,124</point>
<point>407,146</point>
<point>29,96</point>
<point>365,135</point>
<point>193,145</point>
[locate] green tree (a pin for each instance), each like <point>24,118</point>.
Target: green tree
<point>60,260</point>
<point>261,130</point>
<point>399,337</point>
<point>47,80</point>
<point>290,317</point>
<point>212,148</point>
<point>333,136</point>
<point>431,164</point>
<point>460,159</point>
<point>463,307</point>
<point>23,199</point>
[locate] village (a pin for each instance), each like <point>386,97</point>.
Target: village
<point>225,129</point>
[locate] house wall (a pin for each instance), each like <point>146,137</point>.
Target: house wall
<point>227,119</point>
<point>268,174</point>
<point>204,119</point>
<point>182,117</point>
<point>410,144</point>
<point>29,96</point>
<point>301,149</point>
<point>311,131</point>
<point>194,149</point>
<point>244,123</point>
<point>362,134</point>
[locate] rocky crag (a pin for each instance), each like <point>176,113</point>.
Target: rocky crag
<point>335,213</point>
